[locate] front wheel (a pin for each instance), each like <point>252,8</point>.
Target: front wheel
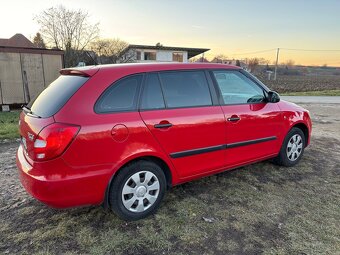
<point>292,148</point>
<point>137,190</point>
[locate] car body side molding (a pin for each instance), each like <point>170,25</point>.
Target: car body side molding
<point>249,142</point>
<point>220,147</point>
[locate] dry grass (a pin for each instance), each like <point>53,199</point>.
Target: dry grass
<point>260,208</point>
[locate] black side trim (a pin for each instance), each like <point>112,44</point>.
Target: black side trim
<point>196,151</point>
<point>219,147</point>
<point>249,142</point>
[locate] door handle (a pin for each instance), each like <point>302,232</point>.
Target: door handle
<point>234,118</point>
<point>163,125</point>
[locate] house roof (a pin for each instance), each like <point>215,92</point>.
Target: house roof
<point>18,41</point>
<point>192,52</point>
<point>124,69</point>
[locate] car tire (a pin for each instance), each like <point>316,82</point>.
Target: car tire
<point>137,190</point>
<point>292,148</point>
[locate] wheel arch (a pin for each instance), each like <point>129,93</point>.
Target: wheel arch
<point>157,160</point>
<point>303,127</point>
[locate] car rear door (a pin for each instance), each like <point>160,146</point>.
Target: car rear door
<point>179,110</point>
<point>253,126</point>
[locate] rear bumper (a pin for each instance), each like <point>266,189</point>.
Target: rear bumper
<point>58,185</point>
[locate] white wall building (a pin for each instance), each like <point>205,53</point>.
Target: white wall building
<point>158,53</point>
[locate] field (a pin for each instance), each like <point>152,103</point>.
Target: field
<point>258,209</point>
<point>298,83</point>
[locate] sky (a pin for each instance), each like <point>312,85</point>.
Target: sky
<point>236,29</point>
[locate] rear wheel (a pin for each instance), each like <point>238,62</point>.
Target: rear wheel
<point>292,148</point>
<point>137,190</point>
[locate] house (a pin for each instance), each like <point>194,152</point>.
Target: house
<point>235,62</point>
<point>159,53</point>
<point>26,70</point>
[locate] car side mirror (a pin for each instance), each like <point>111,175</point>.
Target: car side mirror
<point>273,97</point>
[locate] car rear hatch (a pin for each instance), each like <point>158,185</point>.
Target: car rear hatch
<point>41,137</point>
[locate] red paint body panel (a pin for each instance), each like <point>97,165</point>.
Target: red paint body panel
<point>193,128</point>
<point>58,185</point>
<point>292,115</point>
<point>106,142</point>
<point>257,121</point>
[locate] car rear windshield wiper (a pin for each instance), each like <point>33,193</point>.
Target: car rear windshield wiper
<point>28,111</point>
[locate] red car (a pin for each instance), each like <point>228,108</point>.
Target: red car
<point>121,135</point>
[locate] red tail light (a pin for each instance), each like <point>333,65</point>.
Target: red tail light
<point>52,141</point>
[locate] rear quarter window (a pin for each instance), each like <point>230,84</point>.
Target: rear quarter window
<point>121,96</point>
<point>55,96</point>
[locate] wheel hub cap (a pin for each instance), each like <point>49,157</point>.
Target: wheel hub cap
<point>294,147</point>
<point>141,191</point>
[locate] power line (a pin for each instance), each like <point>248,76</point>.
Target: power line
<point>254,52</point>
<point>288,49</point>
<point>308,49</point>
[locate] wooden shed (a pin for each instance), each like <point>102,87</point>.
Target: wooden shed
<point>26,70</point>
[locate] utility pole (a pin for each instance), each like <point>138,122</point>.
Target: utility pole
<point>277,60</point>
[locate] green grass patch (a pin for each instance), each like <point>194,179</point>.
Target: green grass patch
<point>9,125</point>
<point>333,92</point>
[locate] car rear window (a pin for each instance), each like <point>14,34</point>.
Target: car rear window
<point>55,96</point>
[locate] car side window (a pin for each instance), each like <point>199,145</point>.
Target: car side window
<point>152,97</point>
<point>185,89</point>
<point>236,88</point>
<point>120,96</point>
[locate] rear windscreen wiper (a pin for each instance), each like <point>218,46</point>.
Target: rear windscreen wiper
<point>28,111</point>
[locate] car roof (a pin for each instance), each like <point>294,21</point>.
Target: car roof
<point>143,67</point>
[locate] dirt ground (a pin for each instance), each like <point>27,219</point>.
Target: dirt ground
<point>258,209</point>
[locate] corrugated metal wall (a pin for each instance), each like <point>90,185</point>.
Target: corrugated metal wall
<point>18,69</point>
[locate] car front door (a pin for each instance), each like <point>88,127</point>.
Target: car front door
<point>252,124</point>
<point>179,110</point>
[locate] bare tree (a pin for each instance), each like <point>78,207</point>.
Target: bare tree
<point>253,63</point>
<point>110,50</point>
<point>289,63</point>
<point>219,58</point>
<point>69,30</point>
<point>38,41</point>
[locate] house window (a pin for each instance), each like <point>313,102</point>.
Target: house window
<point>139,55</point>
<point>177,56</point>
<point>149,55</point>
